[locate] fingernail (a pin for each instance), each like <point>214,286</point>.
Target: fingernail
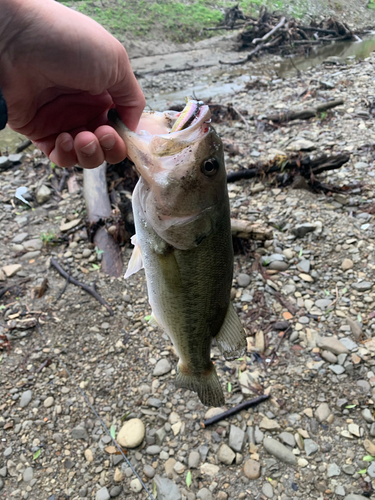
<point>67,145</point>
<point>107,141</point>
<point>89,149</point>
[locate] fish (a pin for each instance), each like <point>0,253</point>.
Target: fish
<point>183,239</point>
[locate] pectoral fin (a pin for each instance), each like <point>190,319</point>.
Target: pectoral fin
<point>231,338</point>
<point>136,261</point>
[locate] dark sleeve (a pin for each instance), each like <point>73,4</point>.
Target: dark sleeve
<point>3,112</point>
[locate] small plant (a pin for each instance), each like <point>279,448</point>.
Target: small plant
<point>47,238</point>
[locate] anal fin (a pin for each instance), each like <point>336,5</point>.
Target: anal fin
<point>206,385</point>
<point>136,260</point>
<point>231,338</point>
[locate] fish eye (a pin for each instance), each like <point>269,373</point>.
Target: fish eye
<point>210,167</point>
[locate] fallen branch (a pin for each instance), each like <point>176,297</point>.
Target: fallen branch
<point>236,409</point>
<point>303,114</point>
<point>250,231</point>
<point>84,287</point>
<point>23,145</point>
<point>267,36</point>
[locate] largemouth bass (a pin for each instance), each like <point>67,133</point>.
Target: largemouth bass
<point>183,239</point>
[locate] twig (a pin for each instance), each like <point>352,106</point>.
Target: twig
<point>286,334</point>
<point>23,145</point>
<point>241,117</point>
<point>236,409</point>
<point>285,302</point>
<point>64,178</point>
<point>84,287</point>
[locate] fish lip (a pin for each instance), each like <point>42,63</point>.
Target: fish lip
<point>203,117</point>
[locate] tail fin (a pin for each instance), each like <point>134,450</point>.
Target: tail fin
<point>206,385</point>
<point>231,339</point>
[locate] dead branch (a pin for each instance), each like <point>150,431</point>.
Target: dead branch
<point>270,34</point>
<point>84,287</point>
<point>23,145</point>
<point>303,114</point>
<point>236,409</point>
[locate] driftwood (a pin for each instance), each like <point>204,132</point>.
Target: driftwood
<point>250,230</point>
<point>99,208</point>
<point>270,34</point>
<point>303,114</point>
<point>287,169</point>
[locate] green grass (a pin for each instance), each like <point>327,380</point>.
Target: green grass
<point>179,21</point>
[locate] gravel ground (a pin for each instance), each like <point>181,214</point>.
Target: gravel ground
<point>315,436</point>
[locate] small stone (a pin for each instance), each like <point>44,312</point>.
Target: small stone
<point>131,433</point>
<point>269,424</point>
<point>26,398</point>
<point>225,455</point>
<point>322,412</point>
<point>355,328</point>
<point>166,489</point>
<point>304,266</point>
<point>210,469</point>
<point>280,451</point>
<point>162,367</point>
<point>19,238</point>
<point>337,369</point>
<point>79,432</point>
<point>66,226</point>
<point>329,356</point>
<point>267,490</point>
<point>352,496</point>
<point>278,265</point>
<point>48,402</point>
<point>86,253</point>
<point>349,469</point>
<point>349,344</point>
<point>88,455</point>
<point>243,280</point>
<point>179,467</point>
<point>194,460</point>
<point>363,286</point>
<point>204,494</point>
<point>43,194</point>
<point>369,446</point>
<point>8,451</point>
<point>135,485</point>
<point>302,462</point>
<point>311,447</point>
<point>236,438</point>
<point>347,264</point>
<point>288,438</point>
<point>149,471</point>
<point>12,269</point>
<point>333,470</point>
<point>34,244</point>
<point>367,415</point>
<point>103,494</point>
<point>251,469</point>
<point>118,475</point>
<point>153,449</point>
<point>371,470</point>
<point>116,490</point>
<point>323,304</point>
<point>340,490</point>
<point>4,162</point>
<point>28,474</point>
<point>301,230</point>
<point>332,344</point>
<point>301,145</point>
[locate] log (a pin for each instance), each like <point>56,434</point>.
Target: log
<point>98,207</point>
<point>270,34</point>
<point>250,230</point>
<point>303,114</point>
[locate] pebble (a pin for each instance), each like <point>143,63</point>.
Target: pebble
<point>162,367</point>
<point>322,412</point>
<point>166,489</point>
<point>352,496</point>
<point>225,455</point>
<point>304,266</point>
<point>194,460</point>
<point>269,424</point>
<point>116,490</point>
<point>267,490</point>
<point>204,494</point>
<point>135,485</point>
<point>153,449</point>
<point>103,494</point>
<point>333,470</point>
<point>236,438</point>
<point>66,226</point>
<point>311,447</point>
<point>349,344</point>
<point>28,474</point>
<point>287,438</point>
<point>367,415</point>
<point>89,455</point>
<point>280,451</point>
<point>332,344</point>
<point>371,470</point>
<point>323,304</point>
<point>48,402</point>
<point>79,432</point>
<point>355,328</point>
<point>329,356</point>
<point>243,280</point>
<point>43,194</point>
<point>347,264</point>
<point>12,269</point>
<point>131,433</point>
<point>252,469</point>
<point>278,265</point>
<point>363,286</point>
<point>8,451</point>
<point>26,398</point>
<point>337,369</point>
<point>149,471</point>
<point>301,230</point>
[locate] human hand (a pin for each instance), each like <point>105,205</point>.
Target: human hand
<point>60,73</point>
